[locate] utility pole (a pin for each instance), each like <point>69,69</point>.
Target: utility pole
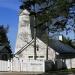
<point>47,41</point>
<point>74,29</point>
<point>34,33</point>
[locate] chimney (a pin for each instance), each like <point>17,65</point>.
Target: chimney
<point>60,38</point>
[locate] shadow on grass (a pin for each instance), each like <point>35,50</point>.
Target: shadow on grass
<point>60,72</point>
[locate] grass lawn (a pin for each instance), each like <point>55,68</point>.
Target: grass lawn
<point>64,71</point>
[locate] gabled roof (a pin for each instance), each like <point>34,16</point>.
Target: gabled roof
<point>25,46</point>
<point>61,47</point>
<point>58,46</point>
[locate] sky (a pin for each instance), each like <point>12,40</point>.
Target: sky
<point>9,15</point>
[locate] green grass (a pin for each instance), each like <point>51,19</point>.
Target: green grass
<point>64,71</point>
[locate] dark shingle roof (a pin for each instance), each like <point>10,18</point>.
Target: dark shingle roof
<point>61,47</point>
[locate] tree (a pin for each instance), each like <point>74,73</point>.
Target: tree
<point>4,39</point>
<point>3,35</point>
<point>46,10</point>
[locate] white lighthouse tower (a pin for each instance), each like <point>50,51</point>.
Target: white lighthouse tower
<point>24,33</point>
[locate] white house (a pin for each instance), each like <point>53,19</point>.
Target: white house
<point>48,52</point>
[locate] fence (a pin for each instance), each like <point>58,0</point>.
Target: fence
<point>66,63</point>
<point>34,65</point>
<point>4,65</point>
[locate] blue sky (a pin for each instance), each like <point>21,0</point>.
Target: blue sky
<point>9,13</point>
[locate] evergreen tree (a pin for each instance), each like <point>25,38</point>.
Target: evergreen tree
<point>45,10</point>
<point>3,37</point>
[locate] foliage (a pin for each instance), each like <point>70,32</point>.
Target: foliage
<point>3,37</point>
<point>47,9</point>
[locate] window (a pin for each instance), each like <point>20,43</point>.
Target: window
<point>41,56</point>
<point>30,56</point>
